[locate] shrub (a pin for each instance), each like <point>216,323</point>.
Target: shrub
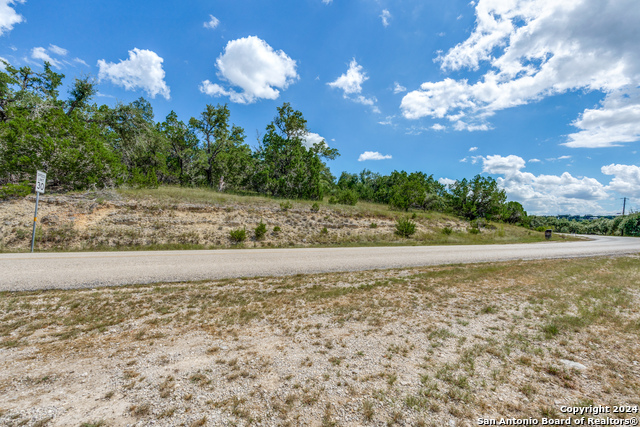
<point>550,330</point>
<point>15,190</point>
<point>474,231</point>
<point>488,309</point>
<point>615,227</point>
<point>276,229</point>
<point>344,197</point>
<point>238,235</point>
<point>631,225</point>
<point>140,180</point>
<point>405,227</point>
<point>373,225</point>
<point>315,207</point>
<point>286,205</point>
<point>478,223</point>
<point>447,231</point>
<point>260,230</point>
<point>541,228</point>
<point>324,230</point>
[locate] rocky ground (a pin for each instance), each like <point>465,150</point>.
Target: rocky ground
<point>108,219</point>
<point>439,346</point>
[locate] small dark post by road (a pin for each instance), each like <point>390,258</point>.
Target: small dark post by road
<point>547,234</point>
<point>40,183</point>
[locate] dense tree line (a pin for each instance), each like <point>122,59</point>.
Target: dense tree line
<point>82,145</point>
<point>628,225</point>
<point>477,198</point>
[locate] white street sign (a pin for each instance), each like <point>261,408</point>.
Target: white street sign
<point>40,182</point>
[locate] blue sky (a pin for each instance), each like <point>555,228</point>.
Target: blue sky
<point>542,95</point>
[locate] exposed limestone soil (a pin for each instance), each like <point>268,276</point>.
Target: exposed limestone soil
<point>107,219</point>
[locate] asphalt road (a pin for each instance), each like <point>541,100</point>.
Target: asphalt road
<point>93,269</point>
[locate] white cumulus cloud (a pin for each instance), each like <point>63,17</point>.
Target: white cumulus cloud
<point>212,22</point>
<point>532,49</point>
<point>617,121</point>
<point>8,15</point>
<point>351,85</point>
<point>310,139</point>
<point>351,81</point>
<point>502,165</point>
<point>252,65</point>
<point>398,88</point>
<point>373,155</point>
<point>545,194</point>
<point>446,181</point>
<point>214,89</point>
<point>473,149</point>
<point>626,179</point>
<point>143,70</point>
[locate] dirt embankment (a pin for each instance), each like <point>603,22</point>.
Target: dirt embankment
<point>109,220</point>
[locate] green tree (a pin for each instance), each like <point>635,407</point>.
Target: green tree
<point>478,198</point>
<point>72,153</point>
<point>405,194</point>
<point>143,149</point>
<point>80,94</point>
<point>183,145</point>
<point>39,131</point>
<point>23,90</point>
<point>631,225</point>
<point>513,213</point>
<point>226,160</point>
<point>417,190</point>
<point>286,167</point>
<point>369,182</point>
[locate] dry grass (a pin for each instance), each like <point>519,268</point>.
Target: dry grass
<point>171,195</point>
<point>414,346</point>
<point>182,218</point>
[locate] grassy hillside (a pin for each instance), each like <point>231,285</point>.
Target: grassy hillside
<point>184,218</point>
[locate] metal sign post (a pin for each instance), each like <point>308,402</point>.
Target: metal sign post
<point>40,183</point>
